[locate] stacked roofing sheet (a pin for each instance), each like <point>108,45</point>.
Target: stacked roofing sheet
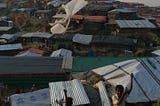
<point>135,24</point>
<point>74,89</point>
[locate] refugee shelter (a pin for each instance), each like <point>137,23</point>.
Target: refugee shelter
<point>25,71</point>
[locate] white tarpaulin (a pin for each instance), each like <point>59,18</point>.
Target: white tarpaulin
<point>55,3</point>
<point>29,54</point>
<point>82,39</point>
<point>156,52</point>
<point>61,25</point>
<point>61,53</point>
<point>36,98</point>
<point>146,84</point>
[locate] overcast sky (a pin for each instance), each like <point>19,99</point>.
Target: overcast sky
<point>147,2</point>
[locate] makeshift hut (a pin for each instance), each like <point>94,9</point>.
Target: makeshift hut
<point>10,49</point>
<point>25,71</point>
<point>146,81</point>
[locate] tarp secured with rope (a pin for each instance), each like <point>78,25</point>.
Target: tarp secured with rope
<point>146,84</point>
<point>60,25</point>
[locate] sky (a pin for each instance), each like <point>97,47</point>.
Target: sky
<point>146,2</point>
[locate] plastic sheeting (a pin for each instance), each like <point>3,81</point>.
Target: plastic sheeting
<point>29,54</point>
<point>36,98</point>
<point>146,84</point>
<point>60,25</point>
<point>61,53</point>
<point>156,52</point>
<point>55,3</point>
<point>82,39</point>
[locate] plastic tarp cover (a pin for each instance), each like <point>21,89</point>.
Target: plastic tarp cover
<point>35,98</point>
<point>61,53</point>
<point>146,83</point>
<point>29,54</point>
<point>60,26</point>
<point>82,39</point>
<point>156,52</point>
<point>74,6</point>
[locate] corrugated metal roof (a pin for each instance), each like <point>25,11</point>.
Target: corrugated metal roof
<point>19,34</point>
<point>43,11</point>
<point>38,34</point>
<point>97,18</point>
<point>7,36</point>
<point>103,94</point>
<point>135,24</point>
<point>112,40</point>
<point>11,47</point>
<point>125,10</point>
<point>67,62</point>
<point>74,89</point>
<point>5,28</point>
<point>82,39</point>
<point>31,65</point>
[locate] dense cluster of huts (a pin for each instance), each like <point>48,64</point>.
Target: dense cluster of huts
<point>102,28</point>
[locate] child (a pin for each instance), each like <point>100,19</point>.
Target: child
<point>118,99</point>
<point>68,101</point>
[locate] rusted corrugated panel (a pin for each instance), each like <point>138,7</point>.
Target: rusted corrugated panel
<point>74,89</point>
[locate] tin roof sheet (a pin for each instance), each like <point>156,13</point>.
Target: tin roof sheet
<point>11,47</point>
<point>74,89</point>
<point>135,24</point>
<point>38,34</point>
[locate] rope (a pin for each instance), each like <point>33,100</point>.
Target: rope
<point>149,71</point>
<point>157,60</point>
<point>145,94</point>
